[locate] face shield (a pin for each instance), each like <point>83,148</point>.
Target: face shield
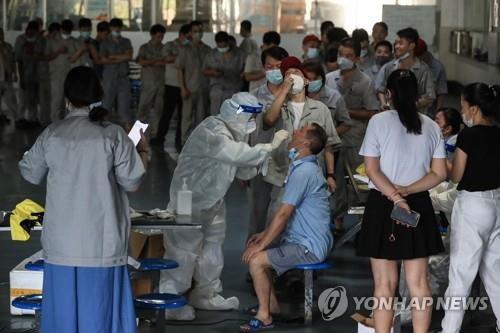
<point>240,112</point>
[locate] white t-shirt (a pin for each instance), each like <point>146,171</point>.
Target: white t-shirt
<point>296,108</point>
<point>404,157</point>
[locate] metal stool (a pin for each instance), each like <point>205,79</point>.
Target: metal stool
<point>34,265</point>
<point>159,303</point>
<point>308,287</point>
<point>30,302</point>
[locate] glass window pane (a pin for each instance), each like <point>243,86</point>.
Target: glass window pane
<point>20,12</point>
<point>175,13</point>
<point>136,14</point>
<point>58,10</point>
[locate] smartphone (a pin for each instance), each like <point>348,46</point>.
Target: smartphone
<point>401,215</point>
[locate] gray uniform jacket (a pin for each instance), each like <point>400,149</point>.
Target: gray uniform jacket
<point>109,47</point>
<point>231,69</point>
<point>314,112</point>
<point>88,167</point>
<point>151,75</point>
<point>190,60</point>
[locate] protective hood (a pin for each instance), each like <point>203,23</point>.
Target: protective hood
<point>237,112</point>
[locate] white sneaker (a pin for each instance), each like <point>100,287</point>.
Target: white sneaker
<point>185,313</point>
<point>217,302</point>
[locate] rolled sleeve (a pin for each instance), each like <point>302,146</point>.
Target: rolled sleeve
<point>33,166</point>
<point>296,187</point>
<point>439,150</point>
<point>129,169</point>
<point>381,79</point>
<point>342,113</point>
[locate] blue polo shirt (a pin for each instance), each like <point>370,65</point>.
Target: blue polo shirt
<point>309,225</point>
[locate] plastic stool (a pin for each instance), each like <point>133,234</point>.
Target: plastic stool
<point>154,264</point>
<point>34,265</point>
<point>30,302</point>
<point>159,303</point>
<point>308,286</point>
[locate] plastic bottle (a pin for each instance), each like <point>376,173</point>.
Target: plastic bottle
<point>184,200</point>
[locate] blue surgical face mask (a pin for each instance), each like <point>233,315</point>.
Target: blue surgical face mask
<point>85,34</point>
<point>312,52</point>
<point>364,53</point>
<point>315,86</point>
<point>274,76</point>
<point>186,42</point>
<point>344,63</point>
<point>115,33</point>
<point>223,49</point>
<point>292,154</point>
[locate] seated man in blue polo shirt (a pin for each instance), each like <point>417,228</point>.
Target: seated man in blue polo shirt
<point>303,221</point>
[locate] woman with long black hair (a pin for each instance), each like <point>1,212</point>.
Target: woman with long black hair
<point>404,157</point>
<point>475,232</point>
<point>89,164</point>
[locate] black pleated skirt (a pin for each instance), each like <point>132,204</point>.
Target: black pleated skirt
<point>410,243</point>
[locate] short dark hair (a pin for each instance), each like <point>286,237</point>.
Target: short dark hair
<point>221,37</point>
<point>325,26</point>
<point>103,26</point>
<point>232,39</point>
<point>271,37</point>
<point>384,43</point>
<point>197,23</point>
<point>410,34</point>
<point>336,34</point>
<point>84,23</point>
<point>352,44</point>
<point>67,25</point>
<point>317,68</point>
<point>383,25</point>
<point>54,26</point>
<point>486,97</point>
<point>275,52</point>
<point>246,25</point>
<point>32,25</point>
<point>331,54</point>
<point>360,35</point>
<point>452,118</point>
<point>157,28</point>
<point>317,136</point>
<point>185,29</point>
<point>82,88</point>
<point>116,22</point>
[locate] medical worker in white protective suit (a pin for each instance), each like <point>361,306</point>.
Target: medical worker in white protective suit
<point>214,154</point>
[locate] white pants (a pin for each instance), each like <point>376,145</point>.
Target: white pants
<point>199,255</point>
<point>475,246</point>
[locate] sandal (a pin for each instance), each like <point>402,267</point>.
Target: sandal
<point>255,325</point>
<point>252,311</point>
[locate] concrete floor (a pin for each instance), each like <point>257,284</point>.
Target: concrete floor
<point>348,270</point>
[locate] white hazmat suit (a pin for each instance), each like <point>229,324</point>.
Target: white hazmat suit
<point>214,154</point>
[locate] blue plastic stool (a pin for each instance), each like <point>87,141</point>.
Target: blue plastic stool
<point>30,302</point>
<point>308,286</point>
<point>154,264</point>
<point>34,265</point>
<point>159,303</point>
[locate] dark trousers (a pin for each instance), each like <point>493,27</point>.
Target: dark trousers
<point>172,101</point>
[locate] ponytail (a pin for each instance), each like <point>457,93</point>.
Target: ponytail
<point>404,89</point>
<point>487,98</point>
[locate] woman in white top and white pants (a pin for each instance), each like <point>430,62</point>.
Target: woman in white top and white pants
<point>404,158</point>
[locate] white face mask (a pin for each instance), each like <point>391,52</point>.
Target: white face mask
<point>404,56</point>
<point>467,122</point>
<point>64,36</point>
<point>298,84</point>
<point>223,49</point>
<point>251,126</point>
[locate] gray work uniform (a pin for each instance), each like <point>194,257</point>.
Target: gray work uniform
<point>194,106</point>
<point>336,104</point>
<point>115,81</point>
<point>372,71</point>
<point>253,64</point>
<point>221,88</point>
<point>440,81</point>
<point>7,71</point>
<point>85,59</point>
<point>153,81</point>
<point>24,51</point>
<point>248,46</point>
<point>44,82</point>
<point>358,93</point>
<point>314,112</point>
<point>58,69</point>
<point>89,167</point>
<point>259,192</point>
<point>422,73</point>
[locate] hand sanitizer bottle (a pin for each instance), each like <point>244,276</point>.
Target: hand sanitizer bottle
<point>184,200</point>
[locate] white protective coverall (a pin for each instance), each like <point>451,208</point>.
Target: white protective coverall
<point>214,154</point>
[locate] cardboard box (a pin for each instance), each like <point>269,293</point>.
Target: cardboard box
<point>144,246</point>
<point>365,324</point>
<point>24,282</point>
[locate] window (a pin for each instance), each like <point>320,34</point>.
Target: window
<point>20,12</point>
